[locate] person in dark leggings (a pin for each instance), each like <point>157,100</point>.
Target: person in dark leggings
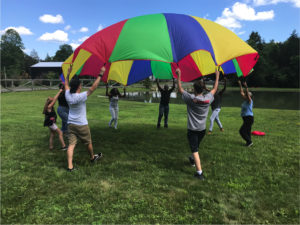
<point>63,110</point>
<point>247,114</point>
<point>164,103</point>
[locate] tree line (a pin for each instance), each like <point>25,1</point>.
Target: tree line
<point>278,64</point>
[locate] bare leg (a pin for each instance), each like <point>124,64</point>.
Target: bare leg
<point>89,148</point>
<point>197,161</point>
<point>52,133</point>
<point>70,156</point>
<point>61,138</point>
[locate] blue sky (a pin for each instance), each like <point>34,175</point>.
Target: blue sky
<point>46,24</point>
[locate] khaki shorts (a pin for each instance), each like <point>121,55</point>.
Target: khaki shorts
<point>79,131</point>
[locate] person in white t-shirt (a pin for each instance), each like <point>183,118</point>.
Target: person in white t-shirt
<point>77,122</point>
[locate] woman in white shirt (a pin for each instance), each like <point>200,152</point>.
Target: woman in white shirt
<point>114,96</point>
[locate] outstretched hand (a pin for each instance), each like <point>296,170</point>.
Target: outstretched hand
<point>102,70</point>
<point>178,72</point>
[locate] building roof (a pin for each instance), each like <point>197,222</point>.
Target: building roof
<point>47,64</point>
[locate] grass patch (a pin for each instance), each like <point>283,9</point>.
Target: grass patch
<point>145,176</point>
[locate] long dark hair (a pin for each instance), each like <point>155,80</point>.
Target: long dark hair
<point>74,84</point>
<point>48,101</point>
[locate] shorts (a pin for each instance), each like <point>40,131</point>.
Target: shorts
<point>195,137</point>
<point>81,132</point>
<point>53,127</point>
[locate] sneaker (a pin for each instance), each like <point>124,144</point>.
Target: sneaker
<point>71,170</point>
<point>221,129</point>
<point>158,126</point>
<point>64,148</point>
<point>166,126</point>
<point>192,161</point>
<point>96,157</point>
<point>201,177</point>
<point>249,144</point>
<point>209,132</point>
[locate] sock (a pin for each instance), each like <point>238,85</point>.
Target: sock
<point>199,172</point>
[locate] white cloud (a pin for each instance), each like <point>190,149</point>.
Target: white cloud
<point>68,27</point>
<point>74,45</point>
<point>228,22</point>
<point>58,35</point>
<point>83,38</point>
<point>241,32</point>
<point>296,3</point>
<point>84,29</point>
<point>242,12</point>
<point>100,27</point>
<point>21,30</point>
<point>47,18</point>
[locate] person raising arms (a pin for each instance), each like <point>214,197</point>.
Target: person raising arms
<point>246,114</point>
<point>78,127</point>
<point>197,111</point>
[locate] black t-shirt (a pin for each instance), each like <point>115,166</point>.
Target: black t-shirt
<point>165,96</point>
<point>50,117</point>
<point>62,100</point>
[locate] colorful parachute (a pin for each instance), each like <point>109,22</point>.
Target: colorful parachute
<point>156,44</point>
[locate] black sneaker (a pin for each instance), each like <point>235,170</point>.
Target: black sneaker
<point>158,126</point>
<point>249,144</point>
<point>96,157</point>
<point>71,170</point>
<point>192,161</point>
<point>201,177</point>
<point>64,148</point>
<point>166,126</point>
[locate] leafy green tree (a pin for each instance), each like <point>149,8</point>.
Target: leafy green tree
<point>12,55</point>
<point>257,78</point>
<point>63,53</point>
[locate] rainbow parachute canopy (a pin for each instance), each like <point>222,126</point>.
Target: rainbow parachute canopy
<point>157,44</point>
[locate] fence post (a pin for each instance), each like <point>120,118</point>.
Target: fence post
<point>31,84</point>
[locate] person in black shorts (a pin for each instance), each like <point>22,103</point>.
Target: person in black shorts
<point>197,111</point>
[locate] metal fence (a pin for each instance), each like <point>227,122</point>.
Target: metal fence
<point>13,85</point>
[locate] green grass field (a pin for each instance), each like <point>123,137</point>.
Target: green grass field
<point>145,176</point>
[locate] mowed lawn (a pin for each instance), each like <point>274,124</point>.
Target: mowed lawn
<point>145,176</point>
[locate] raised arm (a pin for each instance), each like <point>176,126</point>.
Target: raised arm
<point>248,97</point>
<point>178,72</point>
<point>159,87</point>
<point>67,87</point>
<point>124,93</point>
<point>215,88</point>
<point>96,82</point>
<point>107,93</point>
<point>241,90</point>
<point>173,87</point>
<point>55,99</point>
